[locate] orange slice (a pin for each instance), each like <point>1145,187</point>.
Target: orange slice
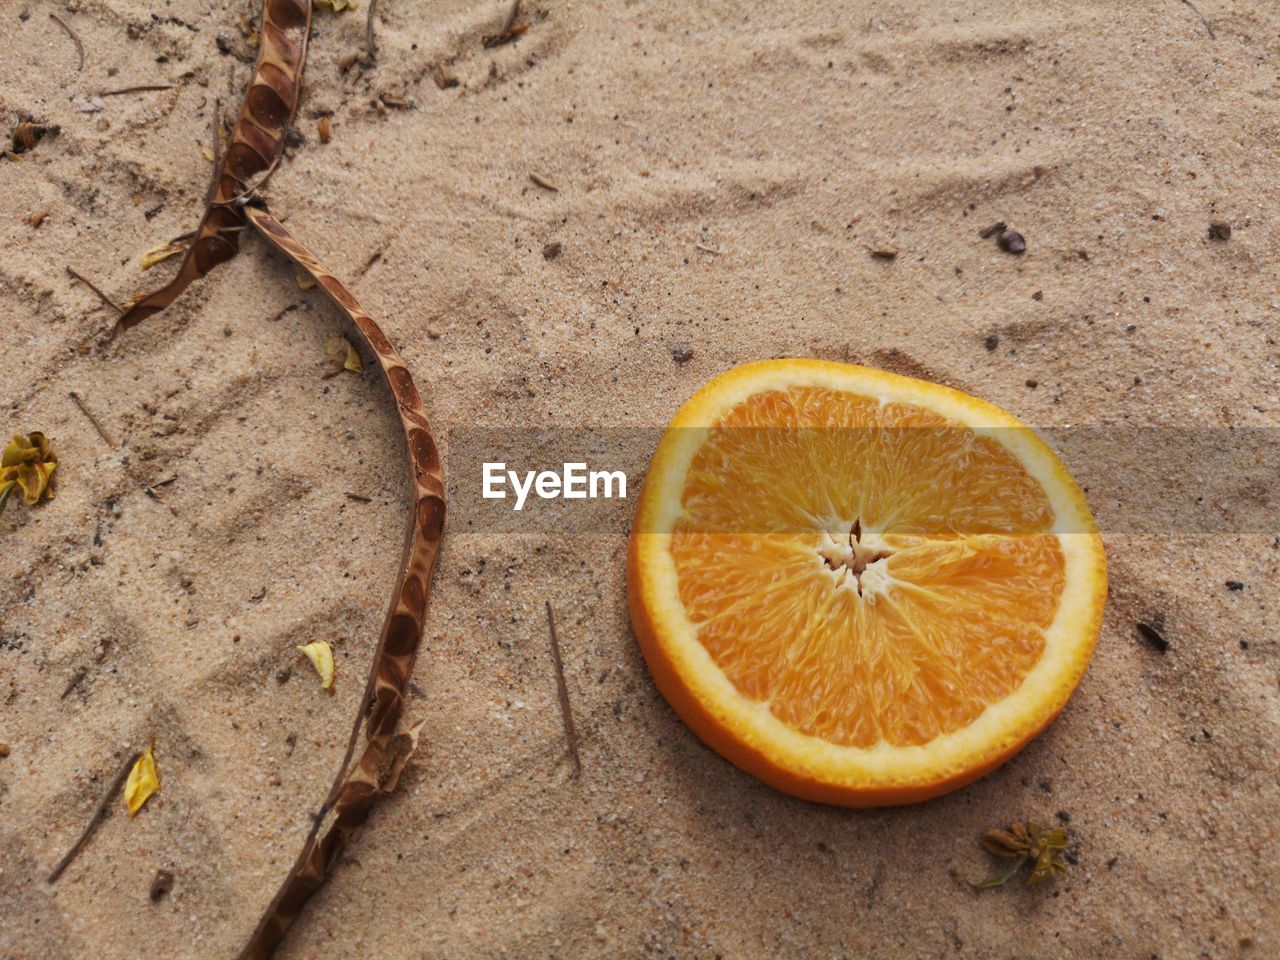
<point>862,588</point>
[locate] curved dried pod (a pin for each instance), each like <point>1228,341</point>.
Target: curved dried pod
<point>257,143</point>
<point>358,786</point>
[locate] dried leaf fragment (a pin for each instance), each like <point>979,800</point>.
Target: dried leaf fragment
<point>142,783</point>
<point>207,154</point>
<point>161,885</point>
<point>337,6</point>
<point>303,280</point>
<point>321,656</point>
<point>27,464</point>
<point>160,253</point>
<point>341,348</point>
<point>325,130</point>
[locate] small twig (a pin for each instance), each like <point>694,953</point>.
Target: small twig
<point>370,42</point>
<point>141,88</point>
<point>101,296</point>
<point>1203,19</point>
<point>97,817</point>
<point>282,311</point>
<point>368,264</point>
<point>75,681</point>
<point>358,497</point>
<point>543,182</point>
<point>510,29</point>
<point>562,691</point>
<point>217,144</point>
<point>97,424</point>
<point>705,249</point>
<point>74,39</point>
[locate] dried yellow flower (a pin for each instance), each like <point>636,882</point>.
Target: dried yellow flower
<point>161,253</point>
<point>337,6</point>
<point>321,656</point>
<point>341,348</point>
<point>142,783</point>
<point>28,464</point>
<point>1025,844</point>
<point>303,280</point>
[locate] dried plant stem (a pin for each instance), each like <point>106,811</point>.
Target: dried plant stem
<point>140,88</point>
<point>509,30</point>
<point>562,691</point>
<point>74,682</point>
<point>98,815</point>
<point>101,296</point>
<point>74,39</point>
<point>1203,19</point>
<point>97,424</point>
<point>370,41</point>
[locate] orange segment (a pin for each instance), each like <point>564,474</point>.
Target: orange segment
<point>860,587</point>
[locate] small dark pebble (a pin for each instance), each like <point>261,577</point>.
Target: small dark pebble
<point>998,227</point>
<point>681,353</point>
<point>1220,230</point>
<point>294,138</point>
<point>1033,384</point>
<point>551,251</point>
<point>24,16</point>
<point>1046,785</point>
<point>1111,864</point>
<point>161,885</point>
<point>1038,295</point>
<point>1235,585</point>
<point>1011,242</point>
<point>1152,638</point>
<point>282,676</point>
<point>1244,644</point>
<point>1064,816</point>
<point>991,342</point>
<point>223,44</point>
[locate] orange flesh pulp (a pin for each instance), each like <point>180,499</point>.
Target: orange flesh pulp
<point>870,573</point>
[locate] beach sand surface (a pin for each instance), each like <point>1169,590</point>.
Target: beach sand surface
<point>724,172</point>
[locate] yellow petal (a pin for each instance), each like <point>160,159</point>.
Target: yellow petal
<point>207,154</point>
<point>161,253</point>
<point>142,783</point>
<point>352,362</point>
<point>304,281</point>
<point>29,463</point>
<point>340,347</point>
<point>321,656</point>
<point>33,478</point>
<point>20,450</point>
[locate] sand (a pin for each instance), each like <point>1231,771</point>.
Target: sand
<point>723,172</point>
